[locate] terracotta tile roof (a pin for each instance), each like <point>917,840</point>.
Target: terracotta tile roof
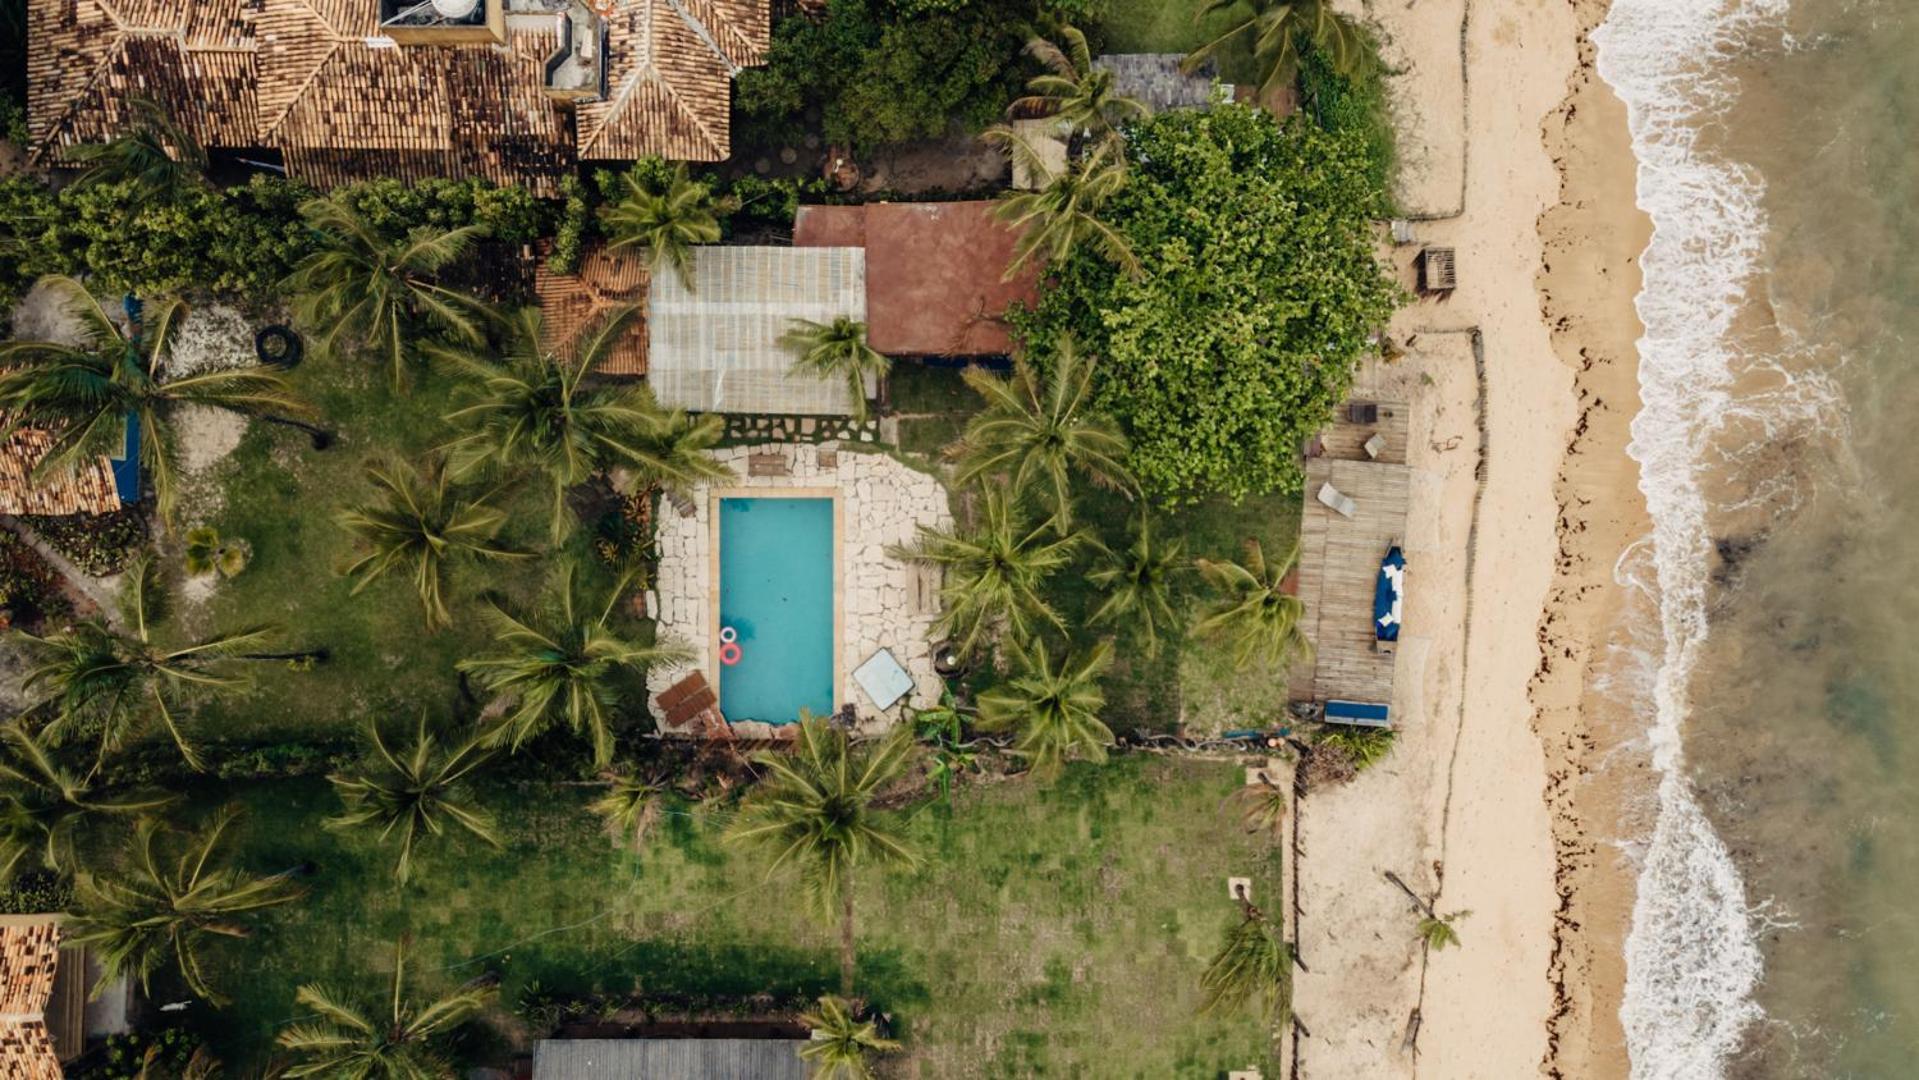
<point>312,79</point>
<point>29,957</point>
<point>87,490</point>
<point>571,302</point>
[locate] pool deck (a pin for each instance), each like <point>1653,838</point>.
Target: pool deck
<point>880,601</point>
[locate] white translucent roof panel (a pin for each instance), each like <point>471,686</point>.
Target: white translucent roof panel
<point>715,347</point>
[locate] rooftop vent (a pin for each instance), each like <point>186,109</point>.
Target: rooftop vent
<point>440,22</point>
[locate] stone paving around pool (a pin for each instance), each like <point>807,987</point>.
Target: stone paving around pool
<point>882,502</point>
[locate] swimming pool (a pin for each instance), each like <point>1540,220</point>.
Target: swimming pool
<point>776,596</point>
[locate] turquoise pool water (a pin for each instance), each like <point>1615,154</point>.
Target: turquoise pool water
<point>776,592</point>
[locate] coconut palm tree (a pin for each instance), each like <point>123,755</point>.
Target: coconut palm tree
<point>534,410</point>
<point>1037,431</point>
<point>630,807</point>
<point>114,685</point>
<point>1063,214</point>
<point>360,289</point>
<point>1276,28</point>
<point>1053,703</point>
<point>995,571</point>
<point>815,809</point>
<point>44,805</point>
<point>412,790</point>
<point>1082,97</point>
<point>837,350</point>
<point>1253,963</point>
<point>86,394</point>
<point>558,663</point>
<point>841,1044</point>
<point>1255,611</point>
<point>418,524</point>
<point>166,911</point>
<point>350,1042</point>
<point>153,150</point>
<point>1262,806</point>
<point>666,223</point>
<point>1138,583</point>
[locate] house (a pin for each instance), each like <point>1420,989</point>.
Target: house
<point>605,281</point>
<point>934,273</point>
<point>515,91</point>
<point>669,1059</point>
<point>43,998</point>
<point>99,486</point>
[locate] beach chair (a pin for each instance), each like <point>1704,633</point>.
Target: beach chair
<point>1337,501</point>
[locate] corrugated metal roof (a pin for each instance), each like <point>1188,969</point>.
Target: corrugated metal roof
<point>715,347</point>
<point>669,1059</point>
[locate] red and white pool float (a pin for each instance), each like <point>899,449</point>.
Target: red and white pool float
<point>730,652</point>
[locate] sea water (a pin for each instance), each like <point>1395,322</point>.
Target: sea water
<point>1775,931</point>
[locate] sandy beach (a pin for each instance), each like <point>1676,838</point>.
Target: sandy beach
<point>1504,796</point>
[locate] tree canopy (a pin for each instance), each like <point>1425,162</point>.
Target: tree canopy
<point>1258,293</point>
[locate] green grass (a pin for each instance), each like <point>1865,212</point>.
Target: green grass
<point>1169,26</point>
<point>1053,931</point>
<point>281,495</point>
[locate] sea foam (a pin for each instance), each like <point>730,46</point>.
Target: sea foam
<point>1691,956</point>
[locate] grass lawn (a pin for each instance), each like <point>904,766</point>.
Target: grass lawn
<point>1189,681</point>
<point>1169,26</point>
<point>281,495</point>
<point>1055,931</point>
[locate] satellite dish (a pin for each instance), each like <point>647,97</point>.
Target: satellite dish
<point>455,9</point>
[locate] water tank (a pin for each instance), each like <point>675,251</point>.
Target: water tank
<point>455,9</point>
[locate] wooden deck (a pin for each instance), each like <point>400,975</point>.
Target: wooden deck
<point>1339,558</point>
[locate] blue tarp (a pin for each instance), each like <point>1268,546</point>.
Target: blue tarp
<point>126,467</point>
<point>1357,714</point>
<point>1387,595</point>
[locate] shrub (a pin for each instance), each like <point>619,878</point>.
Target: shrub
<point>576,220</point>
<point>36,892</point>
<point>125,1057</point>
<point>511,215</point>
<point>1354,105</point>
<point>1364,747</point>
<point>99,544</point>
<point>1259,292</point>
<point>29,588</point>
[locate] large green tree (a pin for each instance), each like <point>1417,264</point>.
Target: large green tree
<point>85,394</point>
<point>1073,90</point>
<point>418,524</point>
<point>666,221</point>
<point>1254,612</point>
<point>996,571</point>
<point>1258,292</point>
<point>836,350</point>
<point>1253,964</point>
<point>45,806</point>
<point>1138,583</point>
<point>1052,703</point>
<point>1277,29</point>
<point>411,790</point>
<point>153,150</point>
<point>815,810</point>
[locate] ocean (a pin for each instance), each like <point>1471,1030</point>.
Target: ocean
<point>1775,931</point>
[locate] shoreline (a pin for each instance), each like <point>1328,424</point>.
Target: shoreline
<point>1597,780</point>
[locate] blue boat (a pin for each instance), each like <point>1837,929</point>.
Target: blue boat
<point>1388,594</point>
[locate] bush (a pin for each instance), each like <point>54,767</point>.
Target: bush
<point>124,1057</point>
<point>29,588</point>
<point>576,220</point>
<point>99,544</point>
<point>881,71</point>
<point>1351,105</point>
<point>36,892</point>
<point>1259,293</point>
<point>511,215</point>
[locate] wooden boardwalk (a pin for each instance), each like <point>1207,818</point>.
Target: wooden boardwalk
<point>1339,557</point>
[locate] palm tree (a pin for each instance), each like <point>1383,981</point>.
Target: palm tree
<point>840,1044</point>
<point>153,150</point>
<point>837,350</point>
<point>165,911</point>
<point>1276,28</point>
<point>1262,806</point>
<point>206,553</point>
<point>44,805</point>
<point>349,1042</point>
<point>815,808</point>
<point>417,789</point>
<point>1437,931</point>
<point>1079,95</point>
<point>536,411</point>
<point>86,394</point>
<point>418,525</point>
<point>362,289</point>
<point>559,661</point>
<point>630,807</point>
<point>1063,214</point>
<point>113,685</point>
<point>1252,963</point>
<point>1053,703</point>
<point>1255,610</point>
<point>666,223</point>
<point>1138,584</point>
<point>995,572</point>
<point>1037,431</point>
